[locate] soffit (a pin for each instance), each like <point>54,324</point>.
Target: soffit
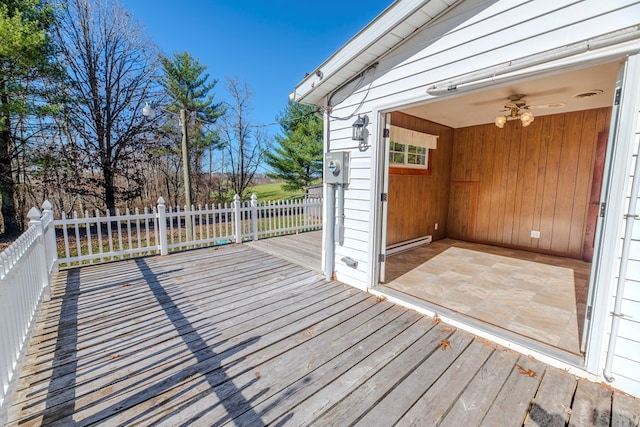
<point>390,28</point>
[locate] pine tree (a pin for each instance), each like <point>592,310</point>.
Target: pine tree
<point>188,87</point>
<point>26,57</point>
<point>298,159</point>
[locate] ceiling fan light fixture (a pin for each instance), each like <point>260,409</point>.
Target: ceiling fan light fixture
<point>517,109</point>
<point>527,118</point>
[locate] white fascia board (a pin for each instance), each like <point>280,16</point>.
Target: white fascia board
<point>382,34</point>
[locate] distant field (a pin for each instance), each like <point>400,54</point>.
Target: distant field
<point>274,191</point>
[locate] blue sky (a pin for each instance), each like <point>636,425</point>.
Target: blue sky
<point>270,45</point>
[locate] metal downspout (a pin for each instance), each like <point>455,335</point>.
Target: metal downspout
<point>339,234</point>
<point>330,205</point>
<point>330,239</point>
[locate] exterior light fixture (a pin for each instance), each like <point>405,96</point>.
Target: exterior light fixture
<point>148,110</point>
<point>358,128</point>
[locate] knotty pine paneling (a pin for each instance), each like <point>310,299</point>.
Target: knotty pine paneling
<point>528,178</point>
<point>417,202</point>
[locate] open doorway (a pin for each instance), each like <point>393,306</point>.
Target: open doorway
<point>510,212</point>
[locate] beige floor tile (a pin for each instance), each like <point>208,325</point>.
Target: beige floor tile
<point>536,295</point>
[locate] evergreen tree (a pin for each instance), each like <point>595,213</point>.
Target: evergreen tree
<point>298,159</point>
<point>188,87</point>
<point>26,58</point>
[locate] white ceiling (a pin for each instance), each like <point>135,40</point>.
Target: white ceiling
<point>483,106</point>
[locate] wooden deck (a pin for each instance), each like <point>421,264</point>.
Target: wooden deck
<point>237,336</point>
<point>304,249</point>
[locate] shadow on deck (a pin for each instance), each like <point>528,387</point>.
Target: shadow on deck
<point>237,335</point>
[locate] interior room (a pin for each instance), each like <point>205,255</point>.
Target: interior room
<point>505,185</point>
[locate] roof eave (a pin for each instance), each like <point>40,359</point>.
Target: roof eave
<point>385,32</point>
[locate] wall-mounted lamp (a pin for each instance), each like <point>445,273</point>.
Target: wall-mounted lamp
<point>358,128</point>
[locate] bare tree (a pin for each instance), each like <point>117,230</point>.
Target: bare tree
<point>111,68</point>
<point>244,144</point>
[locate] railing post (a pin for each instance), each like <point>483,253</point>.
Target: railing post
<point>238,218</point>
<point>162,226</point>
<point>50,237</point>
<point>254,215</point>
<point>35,220</point>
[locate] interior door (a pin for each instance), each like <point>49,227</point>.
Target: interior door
<point>594,199</point>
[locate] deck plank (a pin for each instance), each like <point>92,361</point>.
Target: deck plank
<point>236,335</point>
<point>291,398</point>
<point>591,406</point>
<point>472,405</point>
<point>406,394</point>
<point>552,403</point>
<point>625,411</point>
<point>512,403</point>
<point>96,399</point>
<point>367,395</point>
<point>351,377</point>
<point>277,373</point>
<point>433,405</point>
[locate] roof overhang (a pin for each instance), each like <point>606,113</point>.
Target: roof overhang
<point>396,23</point>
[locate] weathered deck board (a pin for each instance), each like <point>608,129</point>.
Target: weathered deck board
<point>472,405</point>
<point>552,403</point>
<point>431,408</point>
<point>235,335</point>
<point>512,403</point>
<point>625,411</point>
<point>303,249</point>
<point>592,406</point>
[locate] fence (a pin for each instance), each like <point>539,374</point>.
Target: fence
<point>25,270</point>
<point>89,239</point>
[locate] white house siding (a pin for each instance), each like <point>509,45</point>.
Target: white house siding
<point>476,35</point>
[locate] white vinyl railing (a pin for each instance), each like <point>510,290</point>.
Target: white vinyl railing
<point>87,239</point>
<point>25,271</point>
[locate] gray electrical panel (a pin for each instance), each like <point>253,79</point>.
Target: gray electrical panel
<point>336,167</point>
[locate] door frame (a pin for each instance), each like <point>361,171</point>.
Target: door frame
<point>618,167</point>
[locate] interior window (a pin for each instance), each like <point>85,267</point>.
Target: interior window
<point>408,148</point>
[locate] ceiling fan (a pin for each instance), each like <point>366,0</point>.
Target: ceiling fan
<point>516,108</point>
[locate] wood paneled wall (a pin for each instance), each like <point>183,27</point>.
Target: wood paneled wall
<point>528,178</point>
<point>418,202</point>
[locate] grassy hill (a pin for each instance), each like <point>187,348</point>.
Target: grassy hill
<point>274,191</point>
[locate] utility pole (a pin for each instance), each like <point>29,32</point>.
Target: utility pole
<point>186,169</point>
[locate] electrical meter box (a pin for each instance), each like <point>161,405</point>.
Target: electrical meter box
<point>336,167</point>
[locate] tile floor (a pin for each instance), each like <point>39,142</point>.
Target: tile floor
<point>540,297</point>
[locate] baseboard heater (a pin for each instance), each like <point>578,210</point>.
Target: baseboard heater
<point>408,244</point>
